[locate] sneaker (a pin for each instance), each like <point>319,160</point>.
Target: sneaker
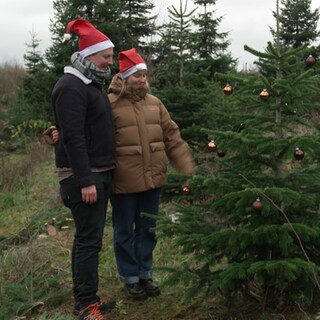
<point>91,312</point>
<point>104,307</point>
<point>134,291</point>
<point>150,287</point>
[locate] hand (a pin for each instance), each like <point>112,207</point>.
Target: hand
<point>89,194</point>
<point>48,137</point>
<point>55,135</point>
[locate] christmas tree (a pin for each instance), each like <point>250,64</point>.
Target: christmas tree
<point>251,229</point>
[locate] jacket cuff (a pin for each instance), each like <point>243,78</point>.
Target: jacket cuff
<point>85,181</point>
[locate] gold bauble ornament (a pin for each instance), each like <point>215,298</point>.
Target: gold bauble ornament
<point>212,145</point>
<point>228,89</point>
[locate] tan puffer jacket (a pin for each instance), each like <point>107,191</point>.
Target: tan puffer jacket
<point>146,138</point>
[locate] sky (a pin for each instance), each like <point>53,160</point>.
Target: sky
<point>247,22</point>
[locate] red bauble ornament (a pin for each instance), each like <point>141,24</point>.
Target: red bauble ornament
<point>310,61</point>
<point>298,154</point>
<point>221,153</point>
<point>257,205</point>
<point>264,95</point>
<point>227,89</point>
<point>212,145</point>
<point>186,189</point>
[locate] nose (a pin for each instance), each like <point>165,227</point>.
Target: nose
<point>109,61</point>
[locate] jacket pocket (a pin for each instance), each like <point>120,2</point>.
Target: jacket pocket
<point>157,146</point>
<point>129,150</point>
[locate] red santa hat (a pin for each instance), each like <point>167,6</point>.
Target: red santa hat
<point>130,62</point>
<point>91,40</point>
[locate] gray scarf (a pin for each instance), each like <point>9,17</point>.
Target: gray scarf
<point>89,70</point>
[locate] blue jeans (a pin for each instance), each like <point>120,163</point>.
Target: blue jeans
<point>133,240</point>
<point>89,222</point>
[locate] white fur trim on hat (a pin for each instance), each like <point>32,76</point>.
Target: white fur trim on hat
<point>96,48</point>
<point>130,71</point>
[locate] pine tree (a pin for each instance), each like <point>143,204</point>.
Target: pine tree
<point>184,78</point>
<point>32,108</point>
<point>105,15</point>
<point>298,23</point>
<point>209,47</point>
<point>251,230</point>
<point>127,23</point>
<point>33,59</point>
<point>173,80</point>
<point>137,23</point>
<point>174,45</point>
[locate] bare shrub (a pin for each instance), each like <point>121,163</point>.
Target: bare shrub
<point>10,80</point>
<point>15,168</point>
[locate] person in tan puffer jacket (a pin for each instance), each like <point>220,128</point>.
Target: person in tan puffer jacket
<point>147,141</point>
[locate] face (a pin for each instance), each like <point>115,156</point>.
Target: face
<point>137,79</point>
<point>102,59</point>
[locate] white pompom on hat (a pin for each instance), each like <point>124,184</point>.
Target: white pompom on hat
<point>130,62</point>
<point>91,40</point>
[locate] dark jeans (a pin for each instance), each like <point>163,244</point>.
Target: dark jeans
<point>89,222</point>
<point>133,240</point>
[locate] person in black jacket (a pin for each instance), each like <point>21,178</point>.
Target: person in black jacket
<point>85,157</point>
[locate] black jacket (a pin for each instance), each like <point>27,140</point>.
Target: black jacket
<point>83,117</point>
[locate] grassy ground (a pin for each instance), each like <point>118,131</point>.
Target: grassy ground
<point>165,307</point>
<point>36,234</point>
<point>35,281</point>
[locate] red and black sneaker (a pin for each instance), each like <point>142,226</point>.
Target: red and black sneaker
<point>104,307</point>
<point>91,312</point>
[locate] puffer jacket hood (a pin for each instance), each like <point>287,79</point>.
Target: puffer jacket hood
<point>131,93</point>
<point>147,140</point>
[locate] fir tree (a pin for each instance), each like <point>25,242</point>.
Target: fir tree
<point>298,23</point>
<point>33,102</point>
<point>182,75</point>
<point>127,24</point>
<point>105,15</point>
<point>209,47</point>
<point>237,248</point>
<point>137,23</point>
<point>33,58</point>
<point>174,45</point>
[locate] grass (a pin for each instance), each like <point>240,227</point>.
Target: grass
<point>35,280</point>
<point>35,267</point>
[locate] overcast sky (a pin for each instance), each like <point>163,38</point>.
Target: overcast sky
<point>247,22</point>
